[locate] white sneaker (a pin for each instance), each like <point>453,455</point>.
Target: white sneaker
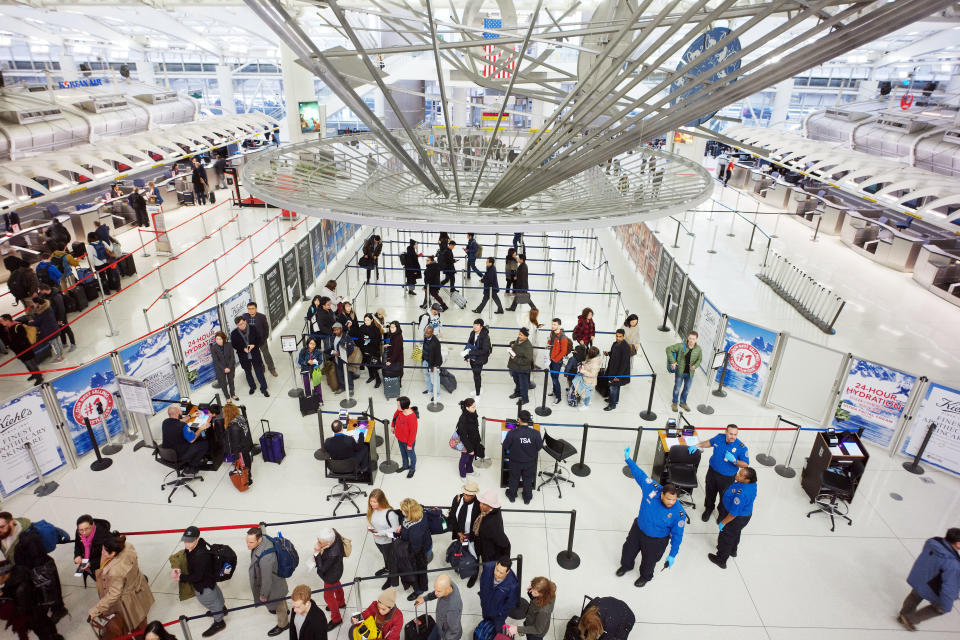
<point>583,407</point>
<point>476,397</point>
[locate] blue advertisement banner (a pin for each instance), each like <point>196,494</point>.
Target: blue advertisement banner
<point>316,249</point>
<point>151,360</point>
<point>89,393</point>
<point>25,419</point>
<point>751,350</point>
<point>873,398</point>
<point>329,240</point>
<point>196,336</point>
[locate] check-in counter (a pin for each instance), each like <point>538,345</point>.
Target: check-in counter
<point>896,248</point>
<point>777,194</point>
<point>741,176</point>
<point>938,269</point>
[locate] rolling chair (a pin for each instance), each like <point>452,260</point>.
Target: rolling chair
<point>345,472</point>
<point>681,470</point>
<point>836,491</point>
<point>169,458</point>
<point>559,450</point>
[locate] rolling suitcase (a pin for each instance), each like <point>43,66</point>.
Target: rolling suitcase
<point>78,250</point>
<point>458,299</point>
<point>309,405</point>
<point>391,388</point>
<point>271,444</point>
<point>603,384</point>
<point>447,381</point>
<point>420,627</point>
<point>127,266</point>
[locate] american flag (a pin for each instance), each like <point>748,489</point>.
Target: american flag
<point>492,52</point>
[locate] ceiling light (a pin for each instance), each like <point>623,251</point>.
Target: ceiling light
<point>946,67</point>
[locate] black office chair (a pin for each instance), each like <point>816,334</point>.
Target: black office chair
<point>345,472</point>
<point>681,470</point>
<point>559,450</point>
<point>169,458</point>
<point>836,490</point>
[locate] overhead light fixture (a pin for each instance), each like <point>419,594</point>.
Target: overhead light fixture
<point>946,67</point>
<point>5,41</point>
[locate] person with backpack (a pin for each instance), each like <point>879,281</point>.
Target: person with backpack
<point>411,267</point>
<point>24,613</point>
<point>558,347</point>
<point>53,296</point>
<point>27,545</point>
<point>202,575</point>
<point>329,552</point>
<point>18,339</point>
<point>23,280</point>
<point>473,252</point>
<point>265,583</point>
<point>101,255</point>
<point>64,260</point>
<point>46,271</point>
<point>40,315</point>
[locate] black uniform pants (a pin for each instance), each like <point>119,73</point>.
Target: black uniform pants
<point>487,293</point>
<point>717,485</point>
<point>477,369</point>
<point>389,563</point>
<point>650,550</point>
<point>521,473</point>
<point>729,537</point>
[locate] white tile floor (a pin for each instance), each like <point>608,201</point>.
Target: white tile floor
<point>793,579</point>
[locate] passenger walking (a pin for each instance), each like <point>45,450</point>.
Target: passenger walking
<point>410,260</point>
<point>521,285</point>
<point>934,577</point>
<point>468,430</point>
<point>265,584</point>
<point>201,574</point>
<point>473,249</point>
<point>122,587</point>
<point>448,265</point>
<point>431,284</point>
<point>490,288</point>
<point>510,269</point>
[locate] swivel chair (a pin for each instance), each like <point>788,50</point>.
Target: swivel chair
<point>169,458</point>
<point>837,486</point>
<point>559,450</point>
<point>681,470</point>
<point>344,471</point>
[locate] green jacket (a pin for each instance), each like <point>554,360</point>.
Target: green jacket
<point>523,361</point>
<point>677,352</point>
<point>179,561</point>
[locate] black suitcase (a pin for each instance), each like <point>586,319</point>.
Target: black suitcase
<point>78,250</point>
<point>212,196</point>
<point>127,266</point>
<point>420,627</point>
<point>447,381</point>
<point>603,383</point>
<point>79,298</point>
<point>90,289</point>
<point>309,405</point>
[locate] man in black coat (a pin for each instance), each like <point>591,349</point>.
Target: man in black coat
<point>432,358</point>
<point>480,349</point>
<point>20,604</point>
<point>17,340</point>
<point>54,296</point>
<point>617,365</point>
<point>490,287</point>
<point>202,575</point>
<point>343,446</point>
<point>200,182</point>
<point>328,558</point>
<point>245,339</point>
<point>139,205</point>
<point>431,283</point>
<point>446,261</point>
<point>490,541</point>
<point>259,321</point>
<point>521,285</point>
<point>308,621</point>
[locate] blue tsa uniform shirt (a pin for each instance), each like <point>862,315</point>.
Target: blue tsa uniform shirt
<point>654,519</point>
<point>739,497</point>
<point>718,460</point>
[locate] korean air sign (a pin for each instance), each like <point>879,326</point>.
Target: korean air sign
<point>86,82</point>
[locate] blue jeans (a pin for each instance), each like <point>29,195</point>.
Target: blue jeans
<point>472,267</point>
<point>517,239</point>
<point>681,380</point>
<point>521,383</point>
<point>428,378</point>
<point>582,389</point>
<point>408,457</point>
<point>555,375</point>
<point>614,395</point>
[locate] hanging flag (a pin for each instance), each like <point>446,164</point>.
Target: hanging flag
<point>492,53</point>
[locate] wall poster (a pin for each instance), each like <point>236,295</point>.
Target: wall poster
<point>940,406</point>
<point>25,419</point>
<point>316,250</point>
<point>751,350</point>
<point>88,392</point>
<point>151,360</point>
<point>707,326</point>
<point>195,336</point>
<point>873,397</point>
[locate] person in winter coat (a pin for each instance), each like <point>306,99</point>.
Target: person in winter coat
<point>348,318</point>
<point>607,617</point>
<point>404,427</point>
<point>585,330</point>
<point>393,357</point>
<point>139,205</point>
<point>312,310</point>
<point>88,544</point>
<point>15,337</point>
<point>245,339</point>
<point>542,593</point>
<point>520,363</point>
<point>371,255</point>
<point>449,609</point>
<point>239,439</point>
<point>328,558</point>
<point>490,288</point>
<point>370,340</point>
<point>40,314</point>
<point>386,616</point>
<point>58,233</point>
<point>321,322</point>
<point>510,269</point>
<point>499,591</point>
<point>472,249</point>
<point>411,267</point>
<point>464,511</point>
<point>20,604</point>
<point>200,575</point>
<point>21,544</point>
<point>683,359</point>
<point>23,282</point>
<point>265,584</point>
<point>123,589</point>
<point>631,328</point>
<point>309,621</point>
<point>468,431</point>
<point>309,358</point>
<point>586,381</point>
<point>224,364</point>
<point>479,347</point>
<point>415,532</point>
<point>934,577</point>
<point>432,358</point>
<point>55,298</point>
<point>447,264</point>
<point>618,368</point>
<point>521,285</point>
<point>431,283</point>
<point>558,346</point>
<point>200,183</point>
<point>489,538</point>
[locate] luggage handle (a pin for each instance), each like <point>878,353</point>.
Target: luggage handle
<point>262,422</point>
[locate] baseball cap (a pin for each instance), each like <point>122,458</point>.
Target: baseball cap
<point>337,325</point>
<point>190,534</point>
<point>525,331</point>
<point>436,306</point>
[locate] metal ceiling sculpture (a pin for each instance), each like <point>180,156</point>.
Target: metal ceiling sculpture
<point>646,68</point>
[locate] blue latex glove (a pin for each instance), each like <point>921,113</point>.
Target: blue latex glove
<point>729,457</point>
<point>626,453</point>
<point>692,450</point>
<point>670,560</point>
<point>720,526</point>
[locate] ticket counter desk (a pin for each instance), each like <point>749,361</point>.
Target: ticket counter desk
<point>362,430</point>
<point>505,428</point>
<point>938,269</point>
<point>662,455</point>
<point>870,234</point>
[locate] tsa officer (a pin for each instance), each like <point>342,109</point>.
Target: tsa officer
<point>659,522</point>
<point>738,503</point>
<point>729,455</point>
<point>523,445</point>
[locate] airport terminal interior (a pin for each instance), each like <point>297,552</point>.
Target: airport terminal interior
<point>776,181</point>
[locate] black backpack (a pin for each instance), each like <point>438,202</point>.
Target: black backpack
<point>224,561</point>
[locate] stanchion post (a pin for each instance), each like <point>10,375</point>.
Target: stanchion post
<point>185,628</point>
<point>143,246</point>
<point>719,392</point>
<point>44,488</point>
<point>666,310</point>
<point>348,402</point>
<point>567,558</point>
<point>111,332</point>
<point>388,465</point>
<point>377,439</point>
<point>676,237</point>
<point>100,463</point>
<point>648,414</point>
<point>636,447</point>
<point>581,469</point>
<point>816,229</point>
<point>713,243</point>
<point>296,391</point>
<point>914,465</point>
<point>543,410</point>
<point>111,447</point>
<point>320,454</point>
<point>766,459</point>
<point>433,406</point>
<point>693,241</point>
<point>785,470</point>
<point>733,220</point>
<point>704,407</point>
<point>752,233</point>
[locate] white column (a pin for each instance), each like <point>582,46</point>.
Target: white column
<point>68,68</point>
<point>297,88</point>
<point>536,114</point>
<point>458,106</point>
<point>868,87</point>
<point>145,70</point>
<point>781,102</point>
<point>225,87</point>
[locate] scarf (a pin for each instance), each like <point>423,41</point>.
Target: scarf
<point>476,523</point>
<point>87,541</point>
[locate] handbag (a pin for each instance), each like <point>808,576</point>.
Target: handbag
<point>455,442</point>
<point>417,354</point>
<point>366,630</point>
<point>240,476</point>
<point>316,376</point>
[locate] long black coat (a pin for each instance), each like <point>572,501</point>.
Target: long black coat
<point>491,541</point>
<point>468,430</point>
<point>255,359</point>
<point>489,279</point>
<point>619,362</point>
<point>100,536</point>
<point>431,274</point>
<point>411,263</point>
<point>481,346</point>
<point>330,562</point>
<point>457,517</point>
<point>522,281</point>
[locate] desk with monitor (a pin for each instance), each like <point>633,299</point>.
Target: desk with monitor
<point>840,451</point>
<point>664,441</point>
<point>505,428</point>
<point>363,431</point>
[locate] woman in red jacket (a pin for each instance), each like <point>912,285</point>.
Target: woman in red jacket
<point>386,616</point>
<point>585,329</point>
<point>405,429</point>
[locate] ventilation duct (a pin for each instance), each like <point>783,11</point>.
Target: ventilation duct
<point>158,98</point>
<point>103,104</point>
<point>903,124</point>
<point>846,115</point>
<point>29,116</point>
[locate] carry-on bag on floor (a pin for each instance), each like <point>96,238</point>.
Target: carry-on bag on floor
<point>240,475</point>
<point>458,299</point>
<point>603,384</point>
<point>484,631</point>
<point>271,444</point>
<point>391,388</point>
<point>127,266</point>
<point>309,404</point>
<point>447,381</point>
<point>330,374</point>
<point>420,627</point>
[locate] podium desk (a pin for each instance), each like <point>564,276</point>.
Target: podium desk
<point>369,441</point>
<point>842,457</point>
<point>505,428</point>
<point>662,455</point>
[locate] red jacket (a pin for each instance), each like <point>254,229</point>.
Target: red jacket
<point>405,427</point>
<point>389,629</point>
<point>585,330</point>
<point>559,346</point>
